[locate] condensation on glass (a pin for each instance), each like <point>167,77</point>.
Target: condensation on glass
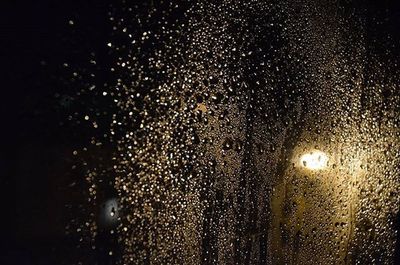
<point>246,132</point>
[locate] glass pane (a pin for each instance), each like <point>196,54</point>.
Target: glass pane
<point>217,132</point>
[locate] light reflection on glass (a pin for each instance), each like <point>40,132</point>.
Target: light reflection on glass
<point>315,160</point>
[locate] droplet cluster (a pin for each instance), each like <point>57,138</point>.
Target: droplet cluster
<point>207,110</point>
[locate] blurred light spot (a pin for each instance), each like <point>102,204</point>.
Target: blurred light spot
<point>109,212</point>
<point>314,161</point>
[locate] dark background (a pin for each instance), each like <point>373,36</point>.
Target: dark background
<point>37,140</point>
<point>35,152</point>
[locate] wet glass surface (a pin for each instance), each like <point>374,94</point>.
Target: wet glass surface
<point>210,132</point>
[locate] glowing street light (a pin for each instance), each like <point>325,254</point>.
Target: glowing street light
<point>315,160</point>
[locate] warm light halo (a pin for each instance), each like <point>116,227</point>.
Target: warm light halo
<point>315,160</point>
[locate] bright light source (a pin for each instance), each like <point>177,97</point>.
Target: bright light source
<point>314,160</point>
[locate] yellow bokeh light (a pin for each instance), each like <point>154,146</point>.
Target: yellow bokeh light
<point>315,160</point>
